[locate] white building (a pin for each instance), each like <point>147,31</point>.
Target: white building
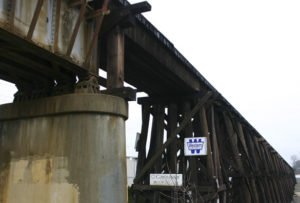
<point>131,169</point>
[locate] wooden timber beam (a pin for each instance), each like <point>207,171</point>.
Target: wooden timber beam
<point>167,60</point>
<point>216,156</point>
<point>193,175</point>
<point>124,16</point>
<point>4,75</point>
<point>115,59</point>
<point>172,124</point>
<point>185,121</point>
<point>240,168</point>
<point>42,69</point>
<point>141,145</point>
<point>21,74</point>
<point>203,132</point>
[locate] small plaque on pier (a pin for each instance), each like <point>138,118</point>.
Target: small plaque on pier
<point>166,179</point>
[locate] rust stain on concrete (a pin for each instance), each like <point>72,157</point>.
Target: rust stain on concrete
<point>4,174</point>
<point>36,180</point>
<point>112,122</point>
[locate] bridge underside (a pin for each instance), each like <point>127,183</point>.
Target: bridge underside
<point>240,166</point>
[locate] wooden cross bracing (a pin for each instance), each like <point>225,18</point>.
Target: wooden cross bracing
<point>238,166</point>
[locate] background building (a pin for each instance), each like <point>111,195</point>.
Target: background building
<point>131,169</point>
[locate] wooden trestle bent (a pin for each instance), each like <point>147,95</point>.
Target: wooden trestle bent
<point>239,167</point>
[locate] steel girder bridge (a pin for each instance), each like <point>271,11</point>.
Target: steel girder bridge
<point>56,47</point>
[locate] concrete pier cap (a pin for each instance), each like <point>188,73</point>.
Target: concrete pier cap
<point>64,149</point>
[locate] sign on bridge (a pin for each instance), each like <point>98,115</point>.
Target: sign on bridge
<point>195,146</point>
<point>166,179</point>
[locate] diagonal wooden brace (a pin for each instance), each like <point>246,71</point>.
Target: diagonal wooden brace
<point>185,121</point>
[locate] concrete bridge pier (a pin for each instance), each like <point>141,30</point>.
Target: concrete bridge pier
<point>63,149</point>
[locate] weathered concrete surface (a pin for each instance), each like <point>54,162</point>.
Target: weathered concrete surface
<point>65,149</point>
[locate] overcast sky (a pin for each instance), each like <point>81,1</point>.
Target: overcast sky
<point>248,50</point>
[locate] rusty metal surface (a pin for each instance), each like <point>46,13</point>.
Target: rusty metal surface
<point>41,65</point>
<point>51,27</point>
<point>68,157</point>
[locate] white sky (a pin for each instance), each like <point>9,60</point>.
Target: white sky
<point>248,50</point>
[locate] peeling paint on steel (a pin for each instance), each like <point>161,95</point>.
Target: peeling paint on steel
<point>39,180</point>
<point>44,32</point>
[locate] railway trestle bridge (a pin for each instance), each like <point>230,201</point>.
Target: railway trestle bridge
<point>62,140</point>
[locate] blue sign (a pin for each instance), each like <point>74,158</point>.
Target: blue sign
<point>195,146</point>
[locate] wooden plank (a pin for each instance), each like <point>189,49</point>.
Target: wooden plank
<point>216,155</point>
<point>27,62</point>
<point>252,185</point>
<point>168,60</point>
<point>286,186</point>
<point>204,133</point>
<point>122,16</point>
<point>172,119</point>
<point>172,149</point>
<point>273,182</point>
<point>215,149</point>
<point>256,170</point>
<point>173,136</point>
<point>21,73</point>
<point>159,136</point>
<point>191,176</point>
<point>252,152</point>
<point>233,141</point>
<point>115,59</point>
<point>241,135</point>
<point>224,169</point>
<point>170,99</point>
<point>143,137</point>
<point>268,184</point>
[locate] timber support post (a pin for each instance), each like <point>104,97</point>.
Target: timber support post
<point>115,59</point>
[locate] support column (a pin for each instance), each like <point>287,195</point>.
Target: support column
<point>63,149</point>
<point>115,59</point>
